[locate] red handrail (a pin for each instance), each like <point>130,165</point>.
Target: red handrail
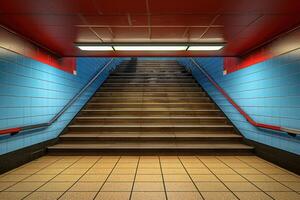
<point>241,111</point>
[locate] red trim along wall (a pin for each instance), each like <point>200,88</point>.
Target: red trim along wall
<point>13,42</point>
<point>286,42</point>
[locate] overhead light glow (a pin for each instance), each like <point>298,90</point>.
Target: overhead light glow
<point>96,48</point>
<point>150,48</point>
<point>205,48</point>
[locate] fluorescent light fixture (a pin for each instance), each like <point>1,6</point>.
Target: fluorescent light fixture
<point>96,48</point>
<point>150,48</point>
<point>205,48</point>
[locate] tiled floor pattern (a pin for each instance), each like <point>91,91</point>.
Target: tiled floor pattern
<point>149,178</point>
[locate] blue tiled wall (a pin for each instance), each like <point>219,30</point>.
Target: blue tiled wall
<point>269,92</point>
<point>32,92</point>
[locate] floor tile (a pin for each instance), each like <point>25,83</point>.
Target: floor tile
<point>56,186</point>
<point>211,186</point>
<point>41,178</point>
<point>86,186</point>
<point>284,195</point>
<point>117,186</point>
<point>148,196</point>
<point>221,171</point>
<point>78,196</point>
<point>261,177</point>
<point>173,171</point>
<point>50,171</point>
<point>113,196</point>
<point>280,177</point>
<point>180,186</point>
<point>121,177</point>
<point>252,196</point>
<point>271,186</point>
<point>149,171</point>
<point>66,177</point>
<point>13,195</point>
<point>241,186</point>
<point>176,178</point>
<point>228,177</point>
<point>198,171</point>
<point>44,196</point>
<point>199,177</point>
<point>148,186</point>
<point>25,186</point>
<point>184,195</point>
<point>218,196</point>
<point>244,171</point>
<point>13,178</point>
<point>141,177</point>
<point>95,177</point>
<point>292,185</point>
<point>4,185</point>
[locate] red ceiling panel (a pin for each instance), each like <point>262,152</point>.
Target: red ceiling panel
<point>106,20</point>
<point>121,6</point>
<point>167,33</point>
<point>105,34</point>
<point>181,20</point>
<point>242,24</point>
<point>48,7</point>
<point>129,32</point>
<point>214,32</point>
<point>236,19</point>
<point>138,20</point>
<point>86,35</point>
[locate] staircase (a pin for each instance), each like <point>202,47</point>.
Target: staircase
<point>150,106</point>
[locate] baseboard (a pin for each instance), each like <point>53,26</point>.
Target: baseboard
<point>279,157</point>
<point>19,157</point>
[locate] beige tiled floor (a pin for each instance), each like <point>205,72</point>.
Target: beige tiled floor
<point>149,177</point>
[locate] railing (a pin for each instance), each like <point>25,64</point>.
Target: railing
<point>43,125</point>
<point>290,131</point>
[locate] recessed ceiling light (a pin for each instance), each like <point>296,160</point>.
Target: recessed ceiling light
<point>205,48</point>
<point>96,48</point>
<point>150,48</point>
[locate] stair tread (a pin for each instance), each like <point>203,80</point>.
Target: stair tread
<point>148,145</point>
<point>147,125</point>
<point>118,135</point>
<point>170,117</point>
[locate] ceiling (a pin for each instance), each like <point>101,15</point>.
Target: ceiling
<point>58,24</point>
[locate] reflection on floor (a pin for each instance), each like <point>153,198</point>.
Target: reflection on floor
<point>149,177</point>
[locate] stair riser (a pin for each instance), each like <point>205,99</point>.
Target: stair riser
<point>116,106</point>
<point>149,94</point>
<point>151,89</point>
<point>152,77</point>
<point>150,113</point>
<point>149,81</point>
<point>149,121</point>
<point>150,85</point>
<point>143,152</point>
<point>88,140</point>
<point>152,129</point>
<point>147,100</point>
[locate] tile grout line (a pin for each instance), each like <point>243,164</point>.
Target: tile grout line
<point>298,192</point>
<point>162,176</point>
<point>9,173</point>
<point>80,176</point>
<point>130,196</point>
<point>248,181</point>
<point>190,177</point>
<point>112,169</point>
<point>31,192</point>
<point>216,176</point>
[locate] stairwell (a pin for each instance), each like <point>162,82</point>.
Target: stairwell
<point>150,106</point>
